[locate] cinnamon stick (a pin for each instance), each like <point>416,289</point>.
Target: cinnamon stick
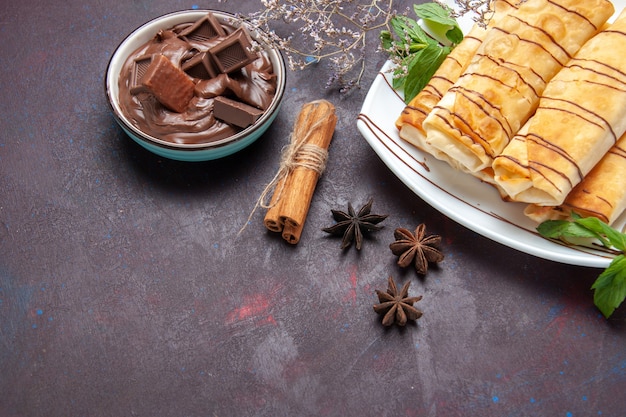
<point>273,220</point>
<point>304,162</point>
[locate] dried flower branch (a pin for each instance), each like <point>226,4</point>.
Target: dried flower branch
<point>332,30</point>
<point>479,9</point>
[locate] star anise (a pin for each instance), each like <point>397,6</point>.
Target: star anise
<point>353,225</point>
<point>416,248</point>
<point>397,306</point>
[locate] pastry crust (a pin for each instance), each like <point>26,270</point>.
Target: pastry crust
<point>500,89</point>
<point>580,117</point>
<point>601,194</point>
<point>409,123</point>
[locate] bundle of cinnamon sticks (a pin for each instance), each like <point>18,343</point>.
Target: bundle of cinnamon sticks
<point>303,162</point>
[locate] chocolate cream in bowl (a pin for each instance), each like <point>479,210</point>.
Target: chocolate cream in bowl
<point>212,84</point>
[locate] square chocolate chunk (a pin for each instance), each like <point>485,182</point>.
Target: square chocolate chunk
<point>169,84</point>
<point>200,66</point>
<point>234,52</point>
<point>204,29</point>
<point>235,112</point>
<point>140,66</point>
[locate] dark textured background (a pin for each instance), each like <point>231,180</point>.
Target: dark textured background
<point>125,291</point>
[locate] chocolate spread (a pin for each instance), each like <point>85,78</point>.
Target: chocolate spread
<point>201,53</point>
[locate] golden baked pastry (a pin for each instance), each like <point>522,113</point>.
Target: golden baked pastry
<point>501,87</point>
<point>580,117</point>
<point>601,194</point>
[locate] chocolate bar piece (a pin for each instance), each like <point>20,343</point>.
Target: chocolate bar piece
<point>204,29</point>
<point>235,112</point>
<point>234,52</point>
<point>169,84</point>
<point>140,66</point>
<point>200,66</point>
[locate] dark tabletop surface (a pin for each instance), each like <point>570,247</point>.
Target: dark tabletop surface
<point>125,290</point>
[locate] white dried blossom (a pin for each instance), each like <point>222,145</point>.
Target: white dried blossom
<point>479,10</point>
<point>334,30</point>
<point>309,31</point>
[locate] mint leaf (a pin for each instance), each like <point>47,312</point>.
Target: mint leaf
<point>437,17</point>
<point>435,13</point>
<point>610,287</point>
<point>615,238</point>
<point>423,69</point>
<point>563,229</point>
<point>409,31</point>
<point>408,62</point>
<point>455,35</point>
<point>386,39</point>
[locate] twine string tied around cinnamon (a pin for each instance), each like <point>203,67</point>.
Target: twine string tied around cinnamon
<point>298,153</point>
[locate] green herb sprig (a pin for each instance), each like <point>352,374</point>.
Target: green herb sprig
<point>610,287</point>
<point>417,54</point>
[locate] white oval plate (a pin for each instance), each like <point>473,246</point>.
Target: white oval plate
<point>461,197</point>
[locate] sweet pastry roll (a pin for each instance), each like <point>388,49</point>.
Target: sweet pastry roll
<point>580,117</point>
<point>601,194</point>
<point>500,89</point>
<point>409,123</point>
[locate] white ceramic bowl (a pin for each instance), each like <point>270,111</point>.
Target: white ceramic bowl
<point>199,151</point>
